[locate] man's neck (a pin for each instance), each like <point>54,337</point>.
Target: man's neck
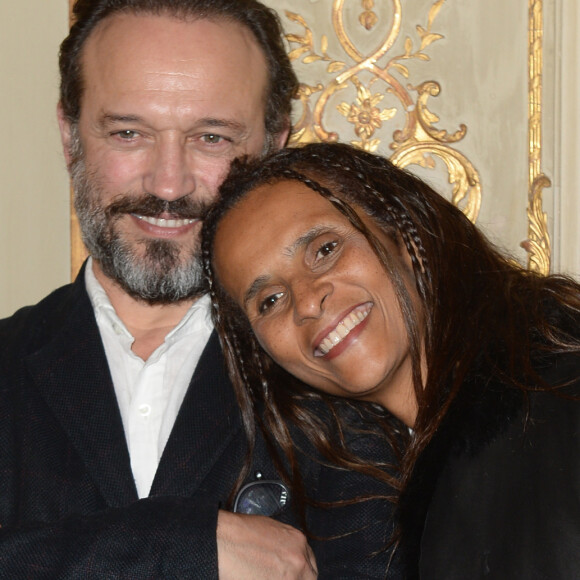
<point>149,324</point>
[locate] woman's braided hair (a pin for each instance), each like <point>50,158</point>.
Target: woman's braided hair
<point>477,303</point>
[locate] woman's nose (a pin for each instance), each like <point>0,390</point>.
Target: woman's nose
<point>309,296</point>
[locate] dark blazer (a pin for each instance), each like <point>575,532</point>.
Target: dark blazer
<point>496,494</point>
<point>68,503</point>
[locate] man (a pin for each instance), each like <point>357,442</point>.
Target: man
<point>120,434</point>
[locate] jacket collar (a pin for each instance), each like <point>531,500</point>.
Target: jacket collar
<point>70,371</point>
<point>208,420</point>
<point>72,375</point>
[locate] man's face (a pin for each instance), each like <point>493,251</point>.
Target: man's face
<point>167,105</point>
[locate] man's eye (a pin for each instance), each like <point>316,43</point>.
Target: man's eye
<point>212,139</point>
<point>326,249</point>
<point>270,301</point>
<point>127,134</point>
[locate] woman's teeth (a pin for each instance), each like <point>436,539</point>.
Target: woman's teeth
<point>342,329</point>
<point>164,223</point>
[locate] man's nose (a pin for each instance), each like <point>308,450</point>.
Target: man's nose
<point>309,296</point>
<point>170,171</point>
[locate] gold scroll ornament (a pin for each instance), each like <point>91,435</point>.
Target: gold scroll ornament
<point>418,141</point>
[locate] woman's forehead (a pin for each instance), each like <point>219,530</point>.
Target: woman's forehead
<point>283,202</point>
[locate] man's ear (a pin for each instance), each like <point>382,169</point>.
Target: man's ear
<point>65,133</point>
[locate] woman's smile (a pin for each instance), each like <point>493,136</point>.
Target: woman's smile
<point>328,345</point>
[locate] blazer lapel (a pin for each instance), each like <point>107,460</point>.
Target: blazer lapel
<point>72,374</point>
<point>208,420</point>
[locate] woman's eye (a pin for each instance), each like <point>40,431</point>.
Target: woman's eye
<point>326,249</point>
<point>270,301</point>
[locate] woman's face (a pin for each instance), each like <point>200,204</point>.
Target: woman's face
<point>317,297</point>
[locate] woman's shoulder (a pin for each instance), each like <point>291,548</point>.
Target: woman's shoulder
<point>508,459</point>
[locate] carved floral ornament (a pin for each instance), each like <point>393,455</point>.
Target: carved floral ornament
<point>364,80</point>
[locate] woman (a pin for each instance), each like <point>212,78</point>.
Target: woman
<point>359,280</point>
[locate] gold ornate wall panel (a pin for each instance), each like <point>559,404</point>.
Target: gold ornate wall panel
<point>375,93</point>
<point>452,89</point>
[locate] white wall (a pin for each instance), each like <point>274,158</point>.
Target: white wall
<point>34,223</point>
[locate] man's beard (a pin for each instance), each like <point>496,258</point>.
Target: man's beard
<point>160,275</point>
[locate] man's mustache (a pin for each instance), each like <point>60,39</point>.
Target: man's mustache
<point>148,205</point>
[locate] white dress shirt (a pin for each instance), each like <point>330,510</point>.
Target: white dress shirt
<point>149,392</point>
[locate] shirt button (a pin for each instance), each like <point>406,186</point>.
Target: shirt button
<point>144,410</point>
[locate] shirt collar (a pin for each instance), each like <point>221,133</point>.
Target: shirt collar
<point>199,314</point>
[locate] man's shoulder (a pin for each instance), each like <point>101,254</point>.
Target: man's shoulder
<point>29,327</point>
